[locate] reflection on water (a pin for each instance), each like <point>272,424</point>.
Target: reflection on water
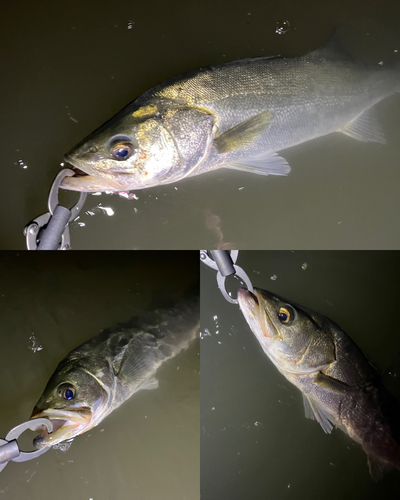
<point>255,441</point>
<point>148,448</point>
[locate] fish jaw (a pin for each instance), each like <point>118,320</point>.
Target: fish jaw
<point>111,177</point>
<point>251,305</point>
<point>66,425</point>
<point>84,181</point>
<point>88,184</point>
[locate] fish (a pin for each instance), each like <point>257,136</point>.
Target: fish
<point>98,376</point>
<point>236,115</point>
<point>339,384</point>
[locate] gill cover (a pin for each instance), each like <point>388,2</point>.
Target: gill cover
<point>155,144</point>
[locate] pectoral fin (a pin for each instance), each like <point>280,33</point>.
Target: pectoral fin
<point>271,164</point>
<point>364,128</point>
<point>332,384</point>
<point>133,366</point>
<point>243,134</point>
<point>314,411</point>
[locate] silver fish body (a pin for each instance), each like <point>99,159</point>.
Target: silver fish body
<point>339,385</point>
<point>236,115</point>
<point>98,376</point>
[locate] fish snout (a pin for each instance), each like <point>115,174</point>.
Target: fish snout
<point>245,297</point>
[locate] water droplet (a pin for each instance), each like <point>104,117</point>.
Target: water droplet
<point>274,277</point>
<point>35,345</point>
<point>304,266</point>
<point>65,446</point>
<point>282,27</point>
<point>130,25</point>
<point>21,164</point>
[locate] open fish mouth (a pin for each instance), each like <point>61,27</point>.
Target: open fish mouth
<point>83,181</point>
<point>66,425</point>
<point>78,172</point>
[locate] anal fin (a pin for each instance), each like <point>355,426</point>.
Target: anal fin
<point>314,411</point>
<point>365,128</point>
<point>271,164</point>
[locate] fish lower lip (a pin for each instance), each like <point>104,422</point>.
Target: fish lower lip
<point>82,414</point>
<point>57,423</point>
<point>41,439</point>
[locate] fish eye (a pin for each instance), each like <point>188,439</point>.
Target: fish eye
<point>286,314</point>
<point>66,391</point>
<point>122,150</point>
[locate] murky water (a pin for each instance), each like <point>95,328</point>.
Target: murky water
<point>255,441</point>
<point>70,66</point>
<point>49,304</point>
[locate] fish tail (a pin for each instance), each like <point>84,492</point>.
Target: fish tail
<point>176,326</point>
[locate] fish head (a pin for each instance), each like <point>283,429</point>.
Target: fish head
<point>153,145</point>
<point>73,400</point>
<point>284,329</point>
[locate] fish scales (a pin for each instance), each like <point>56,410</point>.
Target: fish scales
<point>339,384</point>
<point>98,376</point>
<point>236,115</point>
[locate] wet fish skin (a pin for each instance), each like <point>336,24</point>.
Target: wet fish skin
<point>339,385</point>
<point>236,115</point>
<point>109,368</point>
